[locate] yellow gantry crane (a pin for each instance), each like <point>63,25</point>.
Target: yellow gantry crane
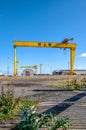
<point>17,67</point>
<point>35,67</point>
<point>64,44</point>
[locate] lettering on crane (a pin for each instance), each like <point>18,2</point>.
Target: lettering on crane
<point>39,44</point>
<point>49,44</point>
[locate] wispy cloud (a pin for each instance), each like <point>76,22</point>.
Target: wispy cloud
<point>83,55</point>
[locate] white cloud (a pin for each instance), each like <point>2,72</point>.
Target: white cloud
<point>83,55</point>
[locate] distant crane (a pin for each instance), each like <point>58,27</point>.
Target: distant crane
<point>35,67</point>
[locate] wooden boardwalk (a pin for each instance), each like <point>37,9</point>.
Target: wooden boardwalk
<point>62,103</point>
<point>71,104</point>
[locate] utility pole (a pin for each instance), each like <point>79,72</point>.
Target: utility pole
<point>40,68</point>
<point>8,66</point>
<point>68,65</point>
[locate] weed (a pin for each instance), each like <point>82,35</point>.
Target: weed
<point>7,104</point>
<point>25,103</point>
<point>75,84</point>
<point>32,121</point>
<point>11,106</point>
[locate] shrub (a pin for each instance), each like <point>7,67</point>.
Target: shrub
<point>11,106</point>
<point>75,85</point>
<point>7,104</point>
<point>30,120</point>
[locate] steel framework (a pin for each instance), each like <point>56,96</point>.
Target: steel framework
<point>63,45</point>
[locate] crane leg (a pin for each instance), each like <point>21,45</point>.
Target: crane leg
<point>72,56</point>
<point>14,61</point>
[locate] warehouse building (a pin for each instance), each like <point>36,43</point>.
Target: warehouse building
<point>28,72</point>
<point>64,72</point>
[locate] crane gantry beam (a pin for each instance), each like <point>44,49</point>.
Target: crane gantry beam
<point>43,44</point>
<point>65,45</point>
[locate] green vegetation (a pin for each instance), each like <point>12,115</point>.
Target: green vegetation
<point>10,106</point>
<point>7,105</point>
<point>30,120</point>
<point>70,84</point>
<point>75,84</point>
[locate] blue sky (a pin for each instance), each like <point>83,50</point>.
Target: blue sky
<point>42,20</point>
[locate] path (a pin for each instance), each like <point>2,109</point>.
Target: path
<point>60,102</point>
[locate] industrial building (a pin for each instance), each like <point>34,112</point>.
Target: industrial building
<point>65,72</point>
<point>28,72</point>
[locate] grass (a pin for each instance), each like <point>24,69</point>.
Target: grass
<point>73,84</point>
<point>10,106</point>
